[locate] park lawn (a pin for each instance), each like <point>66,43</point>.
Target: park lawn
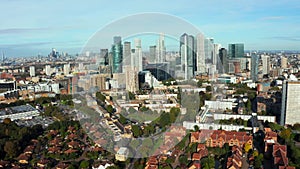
<point>142,116</point>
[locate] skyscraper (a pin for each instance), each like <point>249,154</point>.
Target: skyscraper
<point>161,49</point>
<point>209,48</point>
<point>236,50</point>
<point>216,54</point>
<point>254,67</point>
<point>152,54</point>
<point>117,55</point>
<point>200,53</point>
<point>266,64</point>
<point>187,54</point>
<point>223,59</point>
<point>127,53</point>
<point>32,71</point>
<point>103,58</point>
<point>137,58</point>
<point>290,103</point>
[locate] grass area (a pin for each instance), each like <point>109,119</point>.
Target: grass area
<point>143,116</point>
<point>157,144</point>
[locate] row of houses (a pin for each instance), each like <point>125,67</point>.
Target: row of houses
<point>217,138</point>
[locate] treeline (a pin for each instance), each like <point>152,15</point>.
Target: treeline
<point>14,139</point>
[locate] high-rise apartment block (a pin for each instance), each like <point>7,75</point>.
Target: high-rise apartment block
<point>290,107</point>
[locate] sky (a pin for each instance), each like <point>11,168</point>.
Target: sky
<point>29,28</point>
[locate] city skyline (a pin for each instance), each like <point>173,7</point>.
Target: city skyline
<point>36,27</point>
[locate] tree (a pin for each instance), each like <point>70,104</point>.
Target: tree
<point>286,134</point>
<point>248,105</point>
<point>122,119</point>
<point>164,119</point>
<point>174,111</point>
<point>143,109</point>
<point>207,163</point>
<point>11,148</point>
<point>296,126</point>
<point>208,88</point>
<point>258,161</point>
<point>137,132</point>
<point>84,164</point>
<point>247,147</point>
<point>131,96</point>
<point>6,121</point>
<point>183,159</point>
<point>110,109</point>
<point>100,96</point>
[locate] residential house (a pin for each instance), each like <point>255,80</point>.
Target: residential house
<point>219,137</point>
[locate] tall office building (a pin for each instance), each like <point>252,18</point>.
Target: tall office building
<point>215,59</point>
<point>209,49</point>
<point>236,50</point>
<point>223,59</point>
<point>254,67</point>
<point>32,71</point>
<point>117,55</point>
<point>187,55</point>
<point>102,60</point>
<point>290,107</point>
<point>200,55</point>
<point>266,64</point>
<point>161,49</point>
<point>152,54</point>
<point>127,53</point>
<point>137,57</point>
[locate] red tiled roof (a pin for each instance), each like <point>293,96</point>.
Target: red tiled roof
<point>279,154</point>
<point>73,144</point>
<point>29,149</point>
<point>54,149</point>
<point>69,151</point>
<point>201,147</point>
<point>61,165</point>
<point>23,157</point>
<point>196,156</point>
